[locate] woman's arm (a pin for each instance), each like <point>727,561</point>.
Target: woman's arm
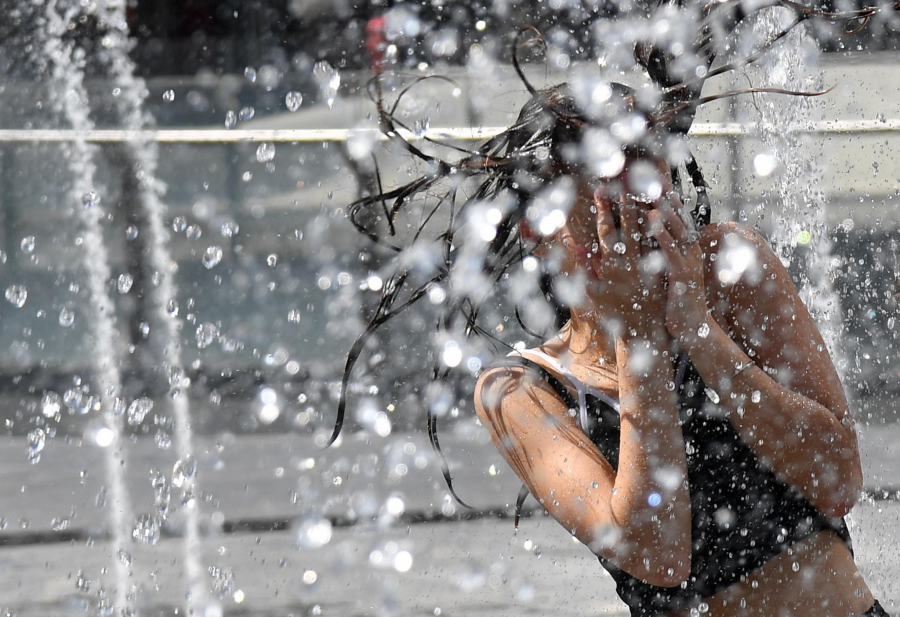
<point>638,518</point>
<point>789,408</point>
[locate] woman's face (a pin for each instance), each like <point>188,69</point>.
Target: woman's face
<point>642,184</point>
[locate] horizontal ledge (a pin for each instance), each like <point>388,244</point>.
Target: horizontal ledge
<point>727,129</point>
<point>278,523</point>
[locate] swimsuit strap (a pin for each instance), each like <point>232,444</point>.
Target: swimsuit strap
<point>579,386</point>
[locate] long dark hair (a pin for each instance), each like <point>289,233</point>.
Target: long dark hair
<point>511,168</point>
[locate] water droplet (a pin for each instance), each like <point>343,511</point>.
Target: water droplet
<point>795,566</point>
<point>265,152</point>
<point>168,96</point>
<point>184,470</point>
<point>146,529</point>
<point>222,582</point>
<point>670,385</point>
<point>138,409</point>
<point>104,437</point>
<point>644,181</point>
<point>131,232</point>
<point>124,283</point>
<point>402,561</point>
<point>179,224</point>
<point>27,244</point>
<point>314,532</point>
<point>420,127</point>
<point>82,583</point>
<point>66,316</point>
<point>755,396</point>
<point>329,81</point>
<point>73,397</point>
<point>293,316</point>
<point>35,442</point>
<point>230,119</point>
<point>229,229</point>
<point>764,164</point>
<point>619,247</point>
<point>193,232</point>
<point>246,113</point>
<point>206,334</point>
<point>250,73</point>
<point>712,395</point>
<point>16,295</point>
<point>293,100</point>
<point>172,308</point>
<point>50,405</point>
<point>163,440</point>
<point>703,330</point>
<point>211,257</point>
<point>90,199</point>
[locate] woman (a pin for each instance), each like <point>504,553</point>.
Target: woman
<point>725,499</point>
<point>686,422</point>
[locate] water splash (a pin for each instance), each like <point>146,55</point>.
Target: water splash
<point>65,63</point>
<point>798,179</point>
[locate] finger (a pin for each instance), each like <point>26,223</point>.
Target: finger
<point>673,223</point>
<point>667,243</point>
<point>607,235</point>
<point>631,232</point>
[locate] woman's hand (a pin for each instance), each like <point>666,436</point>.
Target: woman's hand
<point>687,316</point>
<point>626,291</point>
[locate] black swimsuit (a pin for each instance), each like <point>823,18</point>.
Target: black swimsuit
<point>741,514</point>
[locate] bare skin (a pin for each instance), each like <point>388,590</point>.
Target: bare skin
<point>797,422</point>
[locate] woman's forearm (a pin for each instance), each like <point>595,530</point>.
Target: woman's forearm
<point>651,495</point>
<point>803,441</point>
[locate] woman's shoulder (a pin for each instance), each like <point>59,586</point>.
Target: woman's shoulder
<point>509,385</point>
<point>737,256</point>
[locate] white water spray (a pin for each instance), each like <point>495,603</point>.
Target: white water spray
<point>798,178</point>
<point>116,44</point>
<point>65,61</point>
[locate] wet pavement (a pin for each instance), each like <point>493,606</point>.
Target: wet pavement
<point>280,528</point>
<point>472,569</point>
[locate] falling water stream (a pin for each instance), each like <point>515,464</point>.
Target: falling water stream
<point>65,63</point>
<point>801,220</point>
<point>130,104</point>
<point>66,66</point>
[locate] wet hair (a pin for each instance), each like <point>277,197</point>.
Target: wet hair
<point>512,167</point>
